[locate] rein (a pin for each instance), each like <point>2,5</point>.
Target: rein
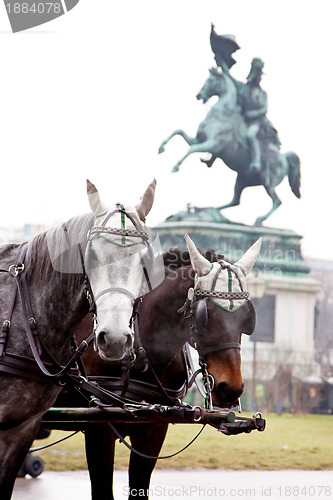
<point>143,455</point>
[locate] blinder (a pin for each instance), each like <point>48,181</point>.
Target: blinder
<point>250,325</point>
<point>199,323</point>
<point>201,315</point>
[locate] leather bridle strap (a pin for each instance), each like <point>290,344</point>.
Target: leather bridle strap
<point>147,364</point>
<point>7,323</point>
<point>83,346</point>
<point>31,329</point>
<point>221,347</point>
<point>88,290</point>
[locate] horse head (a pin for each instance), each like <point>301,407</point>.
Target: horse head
<point>117,245</point>
<point>222,314</point>
<point>214,85</point>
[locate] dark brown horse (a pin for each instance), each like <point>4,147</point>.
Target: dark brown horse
<point>163,333</point>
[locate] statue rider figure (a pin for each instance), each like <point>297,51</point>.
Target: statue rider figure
<point>260,134</point>
<point>254,105</point>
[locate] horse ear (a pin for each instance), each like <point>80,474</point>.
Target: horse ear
<point>249,258</point>
<point>96,204</point>
<point>146,201</point>
<point>200,265</point>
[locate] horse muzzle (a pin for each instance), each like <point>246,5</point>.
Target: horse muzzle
<point>113,348</point>
<point>226,396</point>
<point>201,97</point>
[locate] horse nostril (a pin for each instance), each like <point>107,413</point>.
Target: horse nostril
<point>226,393</point>
<point>101,342</point>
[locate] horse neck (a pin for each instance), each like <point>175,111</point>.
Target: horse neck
<point>163,330</point>
<point>229,96</point>
<point>57,297</point>
<point>226,105</point>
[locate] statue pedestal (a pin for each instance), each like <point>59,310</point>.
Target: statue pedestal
<point>284,333</point>
<point>280,251</point>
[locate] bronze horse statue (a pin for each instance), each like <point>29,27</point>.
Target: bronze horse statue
<point>223,133</point>
<point>159,373</point>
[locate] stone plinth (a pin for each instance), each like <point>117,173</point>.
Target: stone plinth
<point>280,251</point>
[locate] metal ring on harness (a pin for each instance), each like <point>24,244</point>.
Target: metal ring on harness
<point>94,400</point>
<point>209,383</point>
<point>16,269</point>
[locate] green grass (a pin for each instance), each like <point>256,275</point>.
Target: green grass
<point>289,442</point>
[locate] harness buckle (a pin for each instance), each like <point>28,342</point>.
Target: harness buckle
<point>16,269</point>
<point>131,357</point>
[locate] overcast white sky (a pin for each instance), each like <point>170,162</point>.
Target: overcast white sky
<point>94,93</point>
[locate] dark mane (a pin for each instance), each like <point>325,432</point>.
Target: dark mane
<point>174,257</point>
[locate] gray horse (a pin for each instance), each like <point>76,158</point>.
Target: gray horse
<point>223,133</point>
<point>42,296</point>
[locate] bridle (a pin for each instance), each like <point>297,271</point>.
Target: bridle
<point>196,308</point>
<point>100,231</point>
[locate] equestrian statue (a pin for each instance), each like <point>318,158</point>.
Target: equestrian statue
<point>237,130</point>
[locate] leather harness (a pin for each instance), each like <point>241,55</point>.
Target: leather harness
<point>124,389</point>
<point>73,373</point>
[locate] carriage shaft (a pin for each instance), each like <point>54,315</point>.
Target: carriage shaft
<point>56,416</point>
